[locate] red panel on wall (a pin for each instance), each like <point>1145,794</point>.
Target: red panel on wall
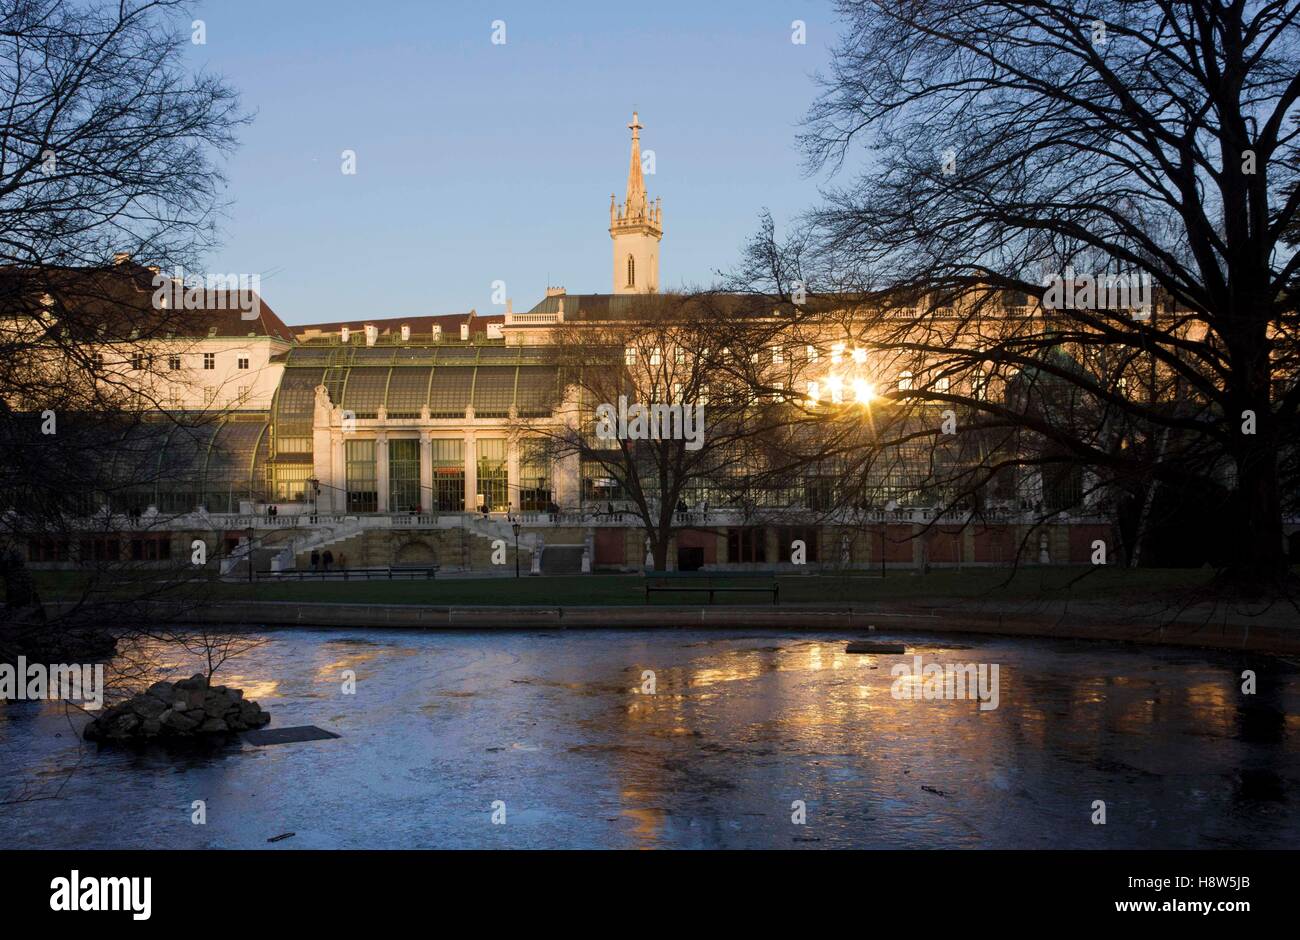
<point>611,547</point>
<point>1081,539</point>
<point>995,544</point>
<point>692,538</point>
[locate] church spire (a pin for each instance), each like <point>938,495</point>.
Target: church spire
<point>635,227</point>
<point>636,198</point>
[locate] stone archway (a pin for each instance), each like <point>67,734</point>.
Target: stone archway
<point>415,552</point>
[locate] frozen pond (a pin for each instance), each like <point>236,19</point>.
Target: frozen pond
<point>556,726</point>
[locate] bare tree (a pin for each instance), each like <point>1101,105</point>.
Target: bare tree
<point>1017,151</point>
<point>107,153</point>
<point>670,405</point>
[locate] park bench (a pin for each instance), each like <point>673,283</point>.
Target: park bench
<point>386,573</point>
<point>706,582</point>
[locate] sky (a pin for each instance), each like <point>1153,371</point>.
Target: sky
<point>478,162</point>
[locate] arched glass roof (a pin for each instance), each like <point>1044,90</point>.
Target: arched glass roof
<point>403,379</point>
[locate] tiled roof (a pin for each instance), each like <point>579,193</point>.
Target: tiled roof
<point>116,303</point>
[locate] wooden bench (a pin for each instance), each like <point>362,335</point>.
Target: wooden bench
<point>672,583</point>
<point>389,573</point>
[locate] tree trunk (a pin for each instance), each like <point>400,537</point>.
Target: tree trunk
<point>1258,556</point>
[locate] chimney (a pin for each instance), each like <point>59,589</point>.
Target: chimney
<point>372,334</point>
<point>121,257</point>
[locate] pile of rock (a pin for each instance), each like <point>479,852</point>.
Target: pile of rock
<point>183,709</point>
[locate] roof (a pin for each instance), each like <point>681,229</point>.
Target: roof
<point>595,307</point>
<point>449,323</point>
<point>116,303</point>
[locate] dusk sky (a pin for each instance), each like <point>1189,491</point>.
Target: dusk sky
<point>478,162</point>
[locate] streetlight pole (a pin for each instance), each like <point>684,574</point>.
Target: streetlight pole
<point>515,526</point>
<point>889,507</point>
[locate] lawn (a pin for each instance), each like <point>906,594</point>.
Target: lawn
<point>1084,583</point>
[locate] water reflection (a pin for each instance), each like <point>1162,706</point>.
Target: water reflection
<point>737,729</point>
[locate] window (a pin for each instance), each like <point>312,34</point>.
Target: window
<point>812,353</point>
<point>244,391</point>
<point>363,491</point>
<point>778,355</point>
<point>97,362</point>
<point>173,363</point>
<point>656,357</point>
<point>631,271</point>
<point>747,544</point>
<point>493,480</point>
<point>787,536</point>
<point>209,396</point>
<point>137,361</point>
<point>942,384</point>
<point>209,361</point>
<point>151,547</point>
<point>979,385</point>
<point>242,362</point>
<point>837,353</point>
<point>904,381</point>
<point>629,356</point>
<point>404,475</point>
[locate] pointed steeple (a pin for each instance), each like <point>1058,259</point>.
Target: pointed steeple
<point>636,227</point>
<point>636,198</point>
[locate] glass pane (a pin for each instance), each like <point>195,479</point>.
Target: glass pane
<point>363,492</point>
<point>403,475</point>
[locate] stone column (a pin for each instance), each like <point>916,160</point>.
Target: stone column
<point>426,472</point>
<point>471,472</point>
<point>381,470</point>
<point>336,494</point>
<point>512,473</point>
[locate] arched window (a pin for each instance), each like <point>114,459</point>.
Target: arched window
<point>631,271</point>
<point>905,381</point>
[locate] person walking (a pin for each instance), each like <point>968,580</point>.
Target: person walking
<point>343,561</point>
<point>328,558</point>
<point>315,560</point>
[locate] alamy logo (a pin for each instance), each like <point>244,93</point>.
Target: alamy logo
<point>946,681</point>
<point>75,893</point>
<point>58,681</point>
<point>180,291</point>
<point>1070,291</point>
<point>656,422</point>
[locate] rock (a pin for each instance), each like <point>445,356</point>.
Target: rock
<point>178,722</point>
<point>146,706</point>
<point>189,707</point>
<point>163,691</point>
<point>214,706</point>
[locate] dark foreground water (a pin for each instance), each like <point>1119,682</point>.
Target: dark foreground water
<point>555,726</point>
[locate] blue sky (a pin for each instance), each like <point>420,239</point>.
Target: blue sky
<point>478,162</point>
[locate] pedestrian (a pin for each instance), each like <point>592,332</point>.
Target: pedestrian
<point>328,558</point>
<point>343,561</point>
<point>315,560</point>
